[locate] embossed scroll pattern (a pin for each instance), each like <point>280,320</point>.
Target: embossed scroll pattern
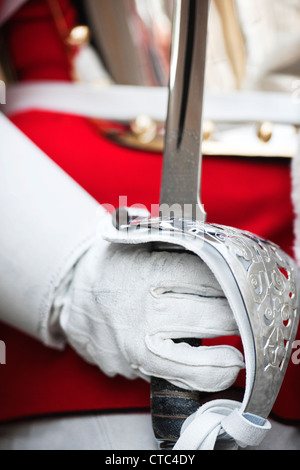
<point>271,278</point>
<point>265,279</point>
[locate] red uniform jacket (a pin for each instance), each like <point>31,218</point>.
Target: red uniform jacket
<point>249,193</point>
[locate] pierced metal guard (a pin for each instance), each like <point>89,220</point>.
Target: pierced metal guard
<point>259,280</point>
<point>261,284</point>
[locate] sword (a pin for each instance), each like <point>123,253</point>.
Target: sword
<point>181,178</point>
<point>180,187</point>
<point>259,280</point>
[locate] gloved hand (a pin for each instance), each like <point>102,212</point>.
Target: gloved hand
<point>126,304</point>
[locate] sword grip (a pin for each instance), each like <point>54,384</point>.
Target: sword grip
<point>171,406</point>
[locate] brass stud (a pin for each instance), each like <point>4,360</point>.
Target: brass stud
<point>79,36</point>
<point>144,128</point>
<point>265,131</point>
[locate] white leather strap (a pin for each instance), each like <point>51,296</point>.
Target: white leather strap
<point>124,103</point>
<point>245,428</point>
<point>223,420</point>
<point>121,103</point>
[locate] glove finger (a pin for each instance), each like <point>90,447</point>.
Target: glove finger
<point>186,270</point>
<point>209,369</point>
<point>193,315</point>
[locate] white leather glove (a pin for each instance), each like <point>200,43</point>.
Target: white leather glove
<point>126,304</point>
<point>119,306</point>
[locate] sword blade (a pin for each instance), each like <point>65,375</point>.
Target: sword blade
<point>180,190</point>
<point>182,162</point>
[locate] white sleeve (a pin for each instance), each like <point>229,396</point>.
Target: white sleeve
<point>47,222</point>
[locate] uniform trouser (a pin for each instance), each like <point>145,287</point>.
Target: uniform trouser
<point>110,432</point>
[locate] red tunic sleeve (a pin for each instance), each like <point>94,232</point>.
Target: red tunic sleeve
<point>36,43</point>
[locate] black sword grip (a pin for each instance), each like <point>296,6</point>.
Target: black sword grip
<point>171,406</point>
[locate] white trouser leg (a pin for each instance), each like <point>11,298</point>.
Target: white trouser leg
<point>111,432</point>
<point>102,432</point>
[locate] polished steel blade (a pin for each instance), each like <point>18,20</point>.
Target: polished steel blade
<point>180,188</point>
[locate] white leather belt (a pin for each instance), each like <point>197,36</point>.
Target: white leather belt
<point>236,117</point>
<point>124,103</point>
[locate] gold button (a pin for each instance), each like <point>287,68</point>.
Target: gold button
<point>265,131</point>
<point>144,128</point>
<point>79,36</point>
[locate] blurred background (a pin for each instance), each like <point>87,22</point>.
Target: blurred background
<point>253,44</point>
